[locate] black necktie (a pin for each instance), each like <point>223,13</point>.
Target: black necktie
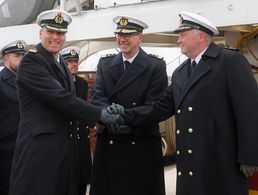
<point>127,64</point>
<point>191,67</point>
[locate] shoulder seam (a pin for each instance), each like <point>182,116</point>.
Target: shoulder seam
<point>156,56</point>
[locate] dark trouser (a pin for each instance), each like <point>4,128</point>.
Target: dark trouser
<point>7,146</point>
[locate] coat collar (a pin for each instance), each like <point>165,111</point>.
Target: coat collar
<point>180,76</point>
<point>8,77</point>
<point>49,58</point>
<point>137,67</point>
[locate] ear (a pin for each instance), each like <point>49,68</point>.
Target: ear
<point>202,35</point>
<point>5,59</point>
<point>141,37</point>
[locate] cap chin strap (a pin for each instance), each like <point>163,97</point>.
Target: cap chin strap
<point>64,30</point>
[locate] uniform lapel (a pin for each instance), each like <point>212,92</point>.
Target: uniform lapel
<point>138,66</point>
<point>117,67</point>
<point>180,80</point>
<point>202,69</point>
<point>60,68</point>
<point>65,78</point>
<point>7,80</point>
<point>9,77</point>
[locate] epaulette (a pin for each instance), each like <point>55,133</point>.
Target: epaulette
<point>232,49</point>
<point>108,55</point>
<point>33,50</point>
<point>156,56</point>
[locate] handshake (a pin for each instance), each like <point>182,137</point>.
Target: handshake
<point>112,117</point>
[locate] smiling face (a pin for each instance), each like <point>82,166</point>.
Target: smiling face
<point>193,42</point>
<point>129,43</point>
<point>52,41</point>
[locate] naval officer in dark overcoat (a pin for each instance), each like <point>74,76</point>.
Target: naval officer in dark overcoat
<point>128,160</point>
<point>11,54</point>
<point>214,97</point>
<point>71,56</point>
<point>45,159</point>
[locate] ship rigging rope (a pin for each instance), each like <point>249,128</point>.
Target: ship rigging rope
<point>244,40</point>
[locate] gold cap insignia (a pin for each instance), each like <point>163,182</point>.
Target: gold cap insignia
<point>59,18</point>
<point>123,21</point>
<point>73,52</point>
<point>20,45</point>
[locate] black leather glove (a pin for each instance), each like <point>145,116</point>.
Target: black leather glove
<point>121,120</point>
<point>248,170</point>
<point>107,118</point>
<point>116,109</point>
<point>119,129</point>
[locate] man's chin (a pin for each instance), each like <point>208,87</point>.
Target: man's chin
<point>124,50</point>
<point>54,51</point>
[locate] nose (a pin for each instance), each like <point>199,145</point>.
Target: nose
<point>55,35</point>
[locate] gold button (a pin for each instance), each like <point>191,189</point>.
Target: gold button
<point>71,122</point>
<point>190,151</point>
<point>179,173</point>
<point>177,152</point>
<point>88,136</point>
<point>71,135</point>
<point>190,173</point>
<point>111,141</point>
<point>77,128</point>
<point>134,104</point>
<point>177,132</point>
<point>190,109</point>
<point>190,130</point>
<point>178,111</point>
<point>133,143</point>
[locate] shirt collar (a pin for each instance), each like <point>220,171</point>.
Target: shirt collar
<point>198,58</point>
<point>131,59</point>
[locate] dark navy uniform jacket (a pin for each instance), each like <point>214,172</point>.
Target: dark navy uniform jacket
<point>45,156</point>
<point>216,121</point>
<point>140,152</point>
<point>10,116</point>
<point>82,131</point>
<point>9,105</point>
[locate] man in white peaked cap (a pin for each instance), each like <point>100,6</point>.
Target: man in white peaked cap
<point>71,56</point>
<point>45,159</point>
<point>214,98</point>
<point>12,54</point>
<point>128,159</point>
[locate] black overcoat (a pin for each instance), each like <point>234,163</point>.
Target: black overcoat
<point>216,121</point>
<point>45,155</point>
<point>129,164</point>
<point>9,115</point>
<point>82,130</point>
<point>9,105</point>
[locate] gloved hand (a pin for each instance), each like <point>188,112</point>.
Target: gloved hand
<point>115,109</point>
<point>107,118</point>
<point>119,129</point>
<point>248,170</point>
<point>121,120</point>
